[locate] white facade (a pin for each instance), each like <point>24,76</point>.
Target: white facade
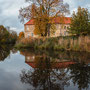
<point>60,30</point>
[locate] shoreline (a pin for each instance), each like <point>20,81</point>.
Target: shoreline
<point>70,43</point>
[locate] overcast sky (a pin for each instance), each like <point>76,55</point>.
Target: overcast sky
<point>9,10</point>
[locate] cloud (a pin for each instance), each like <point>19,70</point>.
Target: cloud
<point>11,81</point>
<point>74,4</point>
<point>9,11</point>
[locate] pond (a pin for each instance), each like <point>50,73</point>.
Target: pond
<point>43,70</point>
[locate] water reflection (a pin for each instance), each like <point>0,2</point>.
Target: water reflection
<point>44,70</point>
<point>5,51</point>
<point>47,75</point>
<point>61,56</point>
<point>52,72</point>
<point>80,75</point>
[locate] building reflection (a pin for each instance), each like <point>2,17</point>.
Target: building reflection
<point>31,59</point>
<point>50,73</point>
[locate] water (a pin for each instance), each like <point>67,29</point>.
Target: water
<point>33,70</point>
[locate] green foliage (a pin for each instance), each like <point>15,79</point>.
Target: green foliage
<point>80,24</point>
<point>49,43</point>
<point>59,47</point>
<point>6,36</point>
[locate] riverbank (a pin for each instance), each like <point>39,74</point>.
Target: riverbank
<point>69,43</point>
<point>58,55</point>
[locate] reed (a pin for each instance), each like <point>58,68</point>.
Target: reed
<point>69,43</point>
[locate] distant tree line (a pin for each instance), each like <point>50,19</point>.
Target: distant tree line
<point>6,36</point>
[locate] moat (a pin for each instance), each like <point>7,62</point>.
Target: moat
<point>42,70</point>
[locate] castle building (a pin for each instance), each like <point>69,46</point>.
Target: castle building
<point>61,28</point>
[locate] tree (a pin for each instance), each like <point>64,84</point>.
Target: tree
<point>43,11</point>
<point>45,76</point>
<point>21,35</point>
<point>13,36</point>
<point>7,36</point>
<point>80,75</point>
<point>80,22</point>
<point>4,34</point>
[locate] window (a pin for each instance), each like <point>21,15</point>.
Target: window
<point>28,58</point>
<point>60,34</point>
<point>27,28</point>
<point>64,33</point>
<point>68,27</point>
<point>32,34</point>
<point>28,35</point>
<point>64,27</point>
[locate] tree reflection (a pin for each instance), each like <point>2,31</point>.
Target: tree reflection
<point>46,73</point>
<point>80,75</point>
<point>5,51</point>
<point>45,76</point>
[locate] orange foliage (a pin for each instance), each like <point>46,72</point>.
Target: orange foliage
<point>21,35</point>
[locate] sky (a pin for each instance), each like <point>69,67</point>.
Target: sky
<point>9,11</point>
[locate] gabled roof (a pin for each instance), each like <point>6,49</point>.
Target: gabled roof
<point>56,20</point>
<point>30,22</point>
<point>56,65</point>
<point>59,20</point>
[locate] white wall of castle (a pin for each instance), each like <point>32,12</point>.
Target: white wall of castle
<point>29,31</point>
<point>60,30</point>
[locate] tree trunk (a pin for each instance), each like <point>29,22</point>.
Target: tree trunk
<point>49,25</point>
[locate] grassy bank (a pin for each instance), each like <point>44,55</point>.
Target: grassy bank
<point>58,43</point>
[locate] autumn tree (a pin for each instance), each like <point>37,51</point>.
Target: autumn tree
<point>7,36</point>
<point>43,11</point>
<point>4,34</point>
<point>13,36</point>
<point>21,35</point>
<point>80,24</point>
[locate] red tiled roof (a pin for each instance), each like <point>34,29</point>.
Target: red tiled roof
<point>30,22</point>
<point>59,20</point>
<point>56,20</point>
<point>57,65</point>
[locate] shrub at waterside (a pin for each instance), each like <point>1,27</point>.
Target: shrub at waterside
<point>6,37</point>
<point>81,43</point>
